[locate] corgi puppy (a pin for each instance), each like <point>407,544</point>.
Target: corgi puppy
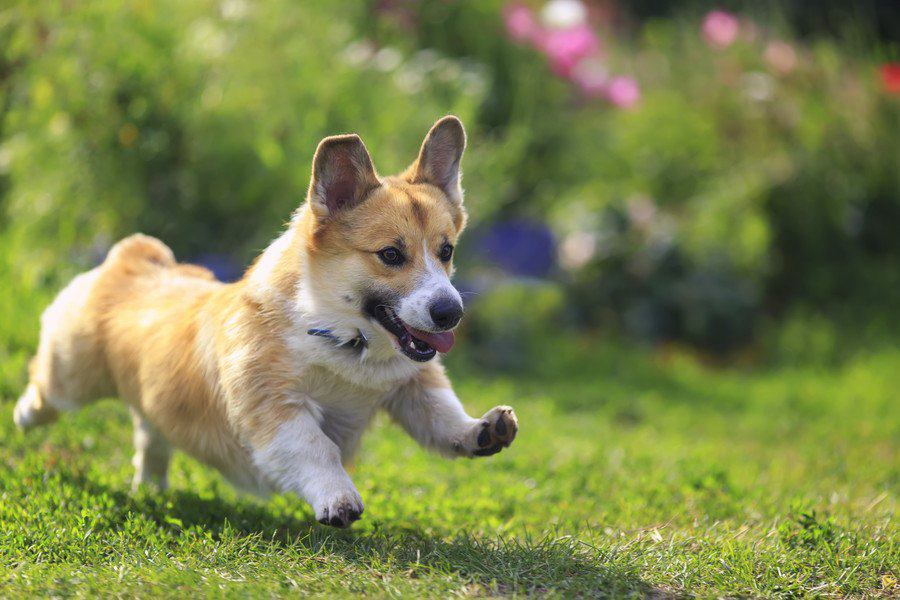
<point>273,379</point>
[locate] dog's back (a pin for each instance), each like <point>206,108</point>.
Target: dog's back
<point>135,327</point>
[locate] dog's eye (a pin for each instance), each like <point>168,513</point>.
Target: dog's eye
<point>391,256</point>
<point>446,252</point>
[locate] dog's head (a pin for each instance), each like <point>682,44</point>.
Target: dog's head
<point>381,248</point>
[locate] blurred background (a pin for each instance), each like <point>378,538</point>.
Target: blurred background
<point>718,177</point>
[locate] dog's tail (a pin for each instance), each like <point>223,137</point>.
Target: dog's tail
<point>141,250</point>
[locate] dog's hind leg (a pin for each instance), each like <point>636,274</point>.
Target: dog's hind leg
<point>32,410</point>
<point>151,456</point>
<point>69,369</point>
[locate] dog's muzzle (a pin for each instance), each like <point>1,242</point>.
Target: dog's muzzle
<point>418,345</point>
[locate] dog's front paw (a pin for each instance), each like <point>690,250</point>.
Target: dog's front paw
<point>496,430</point>
<point>340,510</point>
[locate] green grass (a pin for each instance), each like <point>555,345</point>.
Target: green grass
<point>633,474</point>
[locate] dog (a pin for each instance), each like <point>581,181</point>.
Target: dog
<point>273,379</point>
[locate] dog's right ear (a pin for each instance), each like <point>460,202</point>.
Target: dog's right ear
<point>342,175</point>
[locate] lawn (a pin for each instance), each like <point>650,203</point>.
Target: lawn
<point>634,473</point>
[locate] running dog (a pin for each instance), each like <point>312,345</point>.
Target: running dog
<point>273,379</point>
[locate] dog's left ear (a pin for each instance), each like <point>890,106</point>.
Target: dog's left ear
<point>440,156</point>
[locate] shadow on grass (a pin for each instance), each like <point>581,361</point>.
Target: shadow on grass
<point>497,564</point>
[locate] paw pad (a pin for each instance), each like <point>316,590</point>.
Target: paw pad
<point>498,430</point>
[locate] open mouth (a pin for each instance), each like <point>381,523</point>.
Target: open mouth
<point>416,344</point>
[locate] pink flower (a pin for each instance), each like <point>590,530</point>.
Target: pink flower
<point>520,22</point>
<point>623,92</point>
<point>591,77</point>
<point>720,29</point>
<point>566,47</point>
<point>781,56</point>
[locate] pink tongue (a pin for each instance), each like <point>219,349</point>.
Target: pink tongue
<point>442,342</point>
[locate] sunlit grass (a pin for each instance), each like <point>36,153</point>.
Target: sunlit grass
<point>633,474</point>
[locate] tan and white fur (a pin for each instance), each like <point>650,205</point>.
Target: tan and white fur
<point>228,372</point>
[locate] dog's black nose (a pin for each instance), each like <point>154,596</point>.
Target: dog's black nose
<point>446,312</point>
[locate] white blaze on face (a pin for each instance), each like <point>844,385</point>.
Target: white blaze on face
<point>433,284</point>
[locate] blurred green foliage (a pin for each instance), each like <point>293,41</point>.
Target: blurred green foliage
<point>748,180</point>
<point>741,184</point>
<point>194,121</point>
<point>520,315</point>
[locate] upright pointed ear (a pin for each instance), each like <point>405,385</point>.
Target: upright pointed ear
<point>342,175</point>
<point>439,158</point>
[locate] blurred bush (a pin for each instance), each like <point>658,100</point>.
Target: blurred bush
<point>193,121</point>
<point>697,172</point>
<point>745,172</point>
<point>512,322</point>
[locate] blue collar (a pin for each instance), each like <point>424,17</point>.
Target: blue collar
<point>360,342</point>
